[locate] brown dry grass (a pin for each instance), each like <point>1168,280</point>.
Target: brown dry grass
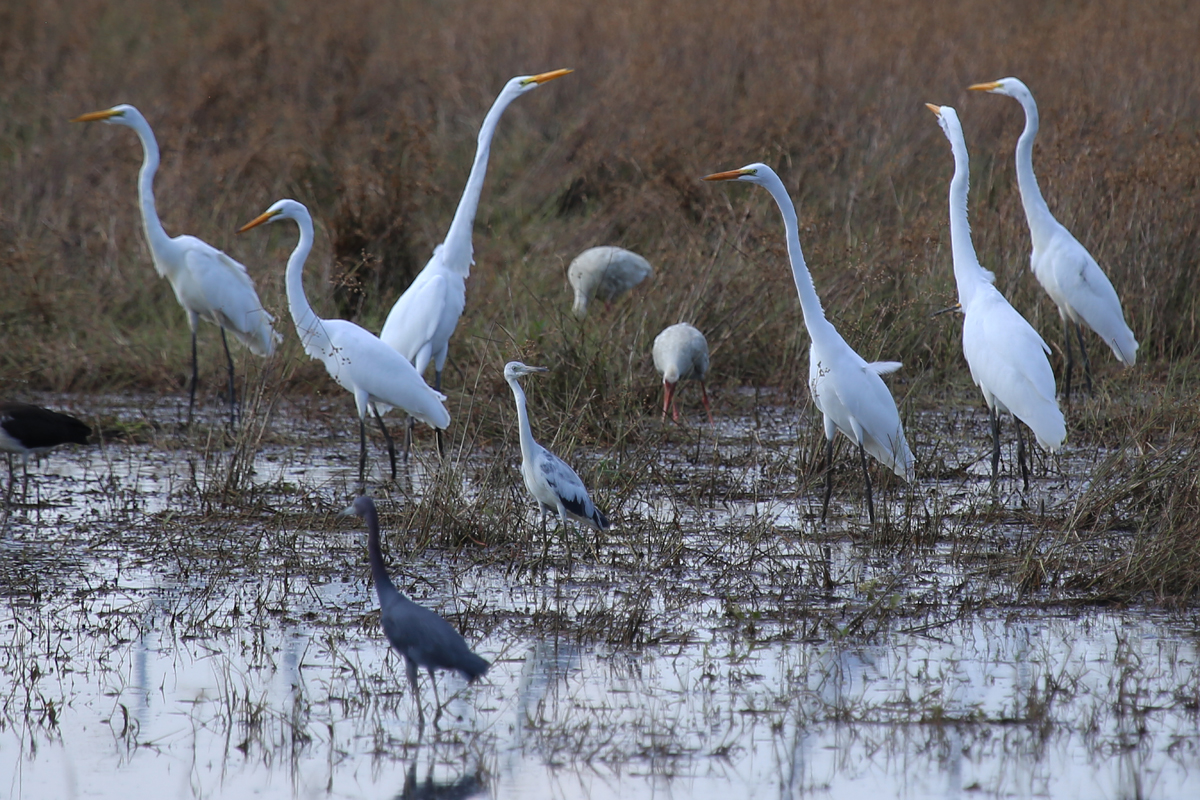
<point>367,112</point>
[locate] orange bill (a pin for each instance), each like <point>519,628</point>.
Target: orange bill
<point>732,174</point>
<point>546,77</point>
<point>984,87</point>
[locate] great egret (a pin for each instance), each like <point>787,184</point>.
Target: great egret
<point>421,322</point>
<point>377,376</point>
<point>605,273</point>
<point>554,485</point>
<point>680,354</point>
<point>421,636</point>
<point>1062,265</point>
<point>1007,357</point>
<point>846,389</point>
<point>27,430</point>
<point>207,283</point>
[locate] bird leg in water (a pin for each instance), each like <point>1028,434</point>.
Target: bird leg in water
<point>828,478</point>
<point>232,394</point>
<point>437,703</point>
<point>1087,364</point>
<point>195,378</point>
<point>995,420</point>
<point>1021,454</point>
<point>704,399</point>
<point>387,437</point>
<point>410,667</point>
<point>862,454</point>
<point>410,423</point>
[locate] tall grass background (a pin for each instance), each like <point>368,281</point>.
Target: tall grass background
<point>368,112</point>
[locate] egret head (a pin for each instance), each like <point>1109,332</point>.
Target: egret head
<point>1007,86</point>
<point>947,118</point>
<point>123,114</point>
<point>281,209</point>
<point>515,369</point>
<point>527,83</point>
<point>751,173</point>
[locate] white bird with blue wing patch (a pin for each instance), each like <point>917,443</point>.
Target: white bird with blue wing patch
<point>553,484</point>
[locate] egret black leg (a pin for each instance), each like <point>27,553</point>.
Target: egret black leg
<point>995,443</point>
<point>12,481</point>
<point>391,446</point>
<point>362,456</point>
<point>828,478</point>
<point>1021,454</point>
<point>862,455</point>
<point>410,667</point>
<point>439,437</point>
<point>1087,365</point>
<point>195,378</point>
<point>232,394</point>
<point>1067,371</point>
<point>437,380</point>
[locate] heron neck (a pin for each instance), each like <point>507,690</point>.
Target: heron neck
<point>967,271</point>
<point>457,253</point>
<point>156,237</point>
<point>810,304</point>
<point>1037,213</point>
<point>383,583</point>
<point>308,324</point>
<point>522,420</point>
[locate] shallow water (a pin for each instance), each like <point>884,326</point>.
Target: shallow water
<point>250,662</point>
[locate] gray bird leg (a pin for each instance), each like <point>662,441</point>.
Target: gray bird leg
<point>410,667</point>
<point>995,419</point>
<point>391,446</point>
<point>232,395</point>
<point>862,454</point>
<point>1087,364</point>
<point>1021,455</point>
<point>409,424</point>
<point>195,378</point>
<point>437,703</point>
<point>828,478</point>
<point>362,456</point>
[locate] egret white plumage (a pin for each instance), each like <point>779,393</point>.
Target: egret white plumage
<point>377,376</point>
<point>846,388</point>
<point>27,430</point>
<point>420,635</point>
<point>1007,357</point>
<point>421,322</point>
<point>554,485</point>
<point>680,354</point>
<point>1064,267</point>
<point>605,273</point>
<point>207,283</point>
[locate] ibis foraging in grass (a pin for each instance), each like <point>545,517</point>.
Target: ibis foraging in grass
<point>605,273</point>
<point>554,485</point>
<point>424,639</point>
<point>377,376</point>
<point>680,354</point>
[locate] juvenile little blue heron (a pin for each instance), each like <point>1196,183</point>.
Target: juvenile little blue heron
<point>27,430</point>
<point>421,636</point>
<point>553,484</point>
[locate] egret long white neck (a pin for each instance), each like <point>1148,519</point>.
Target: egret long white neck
<point>1037,213</point>
<point>522,420</point>
<point>156,237</point>
<point>457,251</point>
<point>810,304</point>
<point>967,272</point>
<point>308,324</point>
<point>383,583</point>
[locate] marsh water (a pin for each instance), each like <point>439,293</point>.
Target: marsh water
<point>723,643</point>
